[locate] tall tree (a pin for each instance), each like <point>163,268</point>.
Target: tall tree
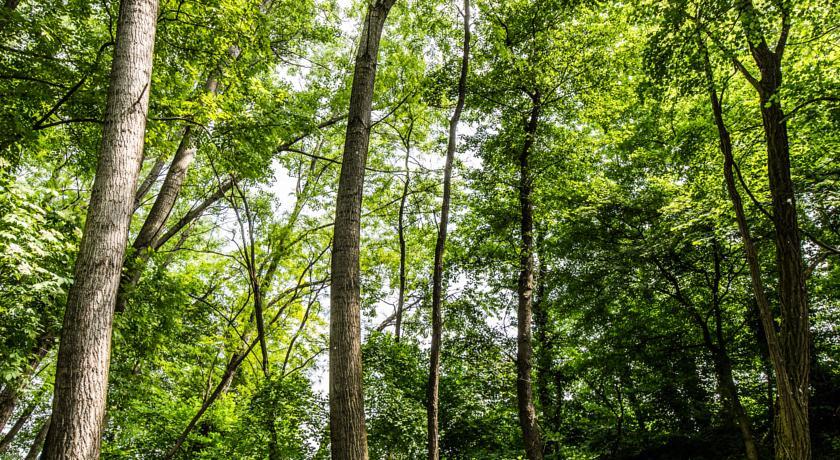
<point>788,343</point>
<point>432,410</point>
<point>525,290</point>
<point>81,382</point>
<point>347,417</point>
<point>792,437</point>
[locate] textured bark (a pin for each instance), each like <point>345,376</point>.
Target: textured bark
<point>524,351</point>
<point>789,347</point>
<point>348,437</point>
<point>81,381</point>
<point>432,410</point>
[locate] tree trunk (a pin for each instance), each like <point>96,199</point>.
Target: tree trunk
<point>792,431</point>
<point>8,401</point>
<point>789,348</point>
<point>432,404</point>
<point>15,429</point>
<point>524,352</point>
<point>38,442</point>
<point>150,232</point>
<point>194,213</point>
<point>273,441</point>
<point>81,381</point>
<point>146,185</point>
<point>545,351</point>
<point>723,369</point>
<point>347,417</point>
<point>401,234</point>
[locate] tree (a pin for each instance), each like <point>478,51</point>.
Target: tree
<point>81,381</point>
<point>440,247</point>
<point>347,418</point>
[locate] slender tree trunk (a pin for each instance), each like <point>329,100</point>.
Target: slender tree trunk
<point>401,234</point>
<point>15,429</point>
<point>524,352</point>
<point>81,381</point>
<point>230,371</point>
<point>8,401</point>
<point>150,232</point>
<point>273,442</point>
<point>146,185</point>
<point>723,369</point>
<point>38,442</point>
<point>432,403</point>
<point>723,364</point>
<point>347,417</point>
<point>194,213</point>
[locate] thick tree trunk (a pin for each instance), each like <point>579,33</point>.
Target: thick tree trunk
<point>792,436</point>
<point>792,430</point>
<point>81,381</point>
<point>432,404</point>
<point>347,417</point>
<point>524,352</point>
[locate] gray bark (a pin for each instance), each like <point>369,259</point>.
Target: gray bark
<point>81,381</point>
<point>347,417</point>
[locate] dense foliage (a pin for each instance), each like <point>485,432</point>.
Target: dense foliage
<point>648,337</point>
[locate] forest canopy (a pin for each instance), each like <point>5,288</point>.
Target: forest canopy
<point>399,229</point>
